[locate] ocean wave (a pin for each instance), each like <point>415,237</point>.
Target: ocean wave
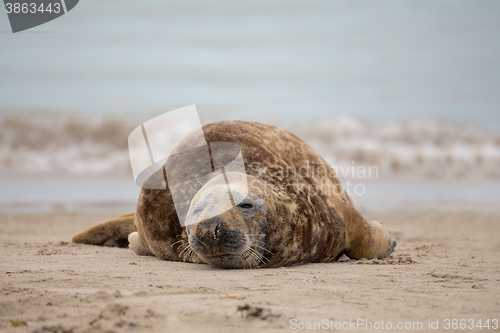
<point>62,145</point>
<point>98,146</point>
<point>417,147</point>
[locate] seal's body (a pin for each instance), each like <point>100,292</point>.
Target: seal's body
<point>295,211</point>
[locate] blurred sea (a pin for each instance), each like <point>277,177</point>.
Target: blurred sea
<point>412,87</point>
<point>72,164</point>
<point>260,60</point>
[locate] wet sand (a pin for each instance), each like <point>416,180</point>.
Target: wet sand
<point>446,266</point>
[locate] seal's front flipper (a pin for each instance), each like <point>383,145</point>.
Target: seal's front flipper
<point>138,246</point>
<point>368,240</point>
<point>111,233</point>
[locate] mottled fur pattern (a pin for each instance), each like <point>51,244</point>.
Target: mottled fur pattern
<point>300,222</point>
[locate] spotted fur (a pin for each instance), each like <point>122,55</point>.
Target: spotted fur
<point>299,222</point>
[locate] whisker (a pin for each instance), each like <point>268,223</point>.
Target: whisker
<point>193,256</point>
<point>186,248</point>
<point>262,248</point>
<point>252,254</point>
<point>260,235</point>
<point>259,256</point>
<point>179,241</point>
<point>248,259</point>
<point>187,254</point>
<point>254,257</point>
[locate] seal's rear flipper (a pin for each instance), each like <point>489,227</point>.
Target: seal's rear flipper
<point>111,233</point>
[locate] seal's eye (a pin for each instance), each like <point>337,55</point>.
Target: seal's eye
<point>246,206</point>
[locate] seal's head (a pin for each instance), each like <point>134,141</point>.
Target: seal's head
<point>238,236</point>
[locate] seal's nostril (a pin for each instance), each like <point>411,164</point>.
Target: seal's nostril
<point>210,233</point>
<point>218,231</point>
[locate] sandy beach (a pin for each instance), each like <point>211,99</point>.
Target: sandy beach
<point>446,266</point>
<point>400,98</point>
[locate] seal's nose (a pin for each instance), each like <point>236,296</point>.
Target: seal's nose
<point>211,232</point>
<point>217,236</point>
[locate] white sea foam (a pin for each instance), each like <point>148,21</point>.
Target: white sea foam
<point>423,148</point>
<point>64,146</point>
<point>418,147</point>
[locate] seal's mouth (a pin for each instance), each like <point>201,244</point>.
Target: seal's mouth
<point>224,247</point>
<point>227,261</point>
<point>236,238</point>
<point>246,259</point>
